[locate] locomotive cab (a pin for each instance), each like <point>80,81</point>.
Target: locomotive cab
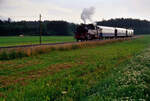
<point>81,32</point>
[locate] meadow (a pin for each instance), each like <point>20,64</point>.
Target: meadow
<point>27,40</point>
<point>114,71</point>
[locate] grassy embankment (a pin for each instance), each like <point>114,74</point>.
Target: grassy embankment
<point>111,71</point>
<point>27,40</point>
<point>14,53</point>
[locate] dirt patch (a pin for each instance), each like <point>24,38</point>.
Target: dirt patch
<point>49,70</point>
<point>2,95</point>
<point>34,74</point>
<point>12,64</point>
<point>123,59</point>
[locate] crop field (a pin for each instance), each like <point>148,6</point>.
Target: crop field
<point>115,71</point>
<point>27,40</point>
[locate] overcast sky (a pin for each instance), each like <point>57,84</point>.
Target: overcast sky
<point>70,10</point>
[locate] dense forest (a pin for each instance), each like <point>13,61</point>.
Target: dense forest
<point>61,28</point>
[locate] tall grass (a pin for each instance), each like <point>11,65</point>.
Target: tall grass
<point>31,51</point>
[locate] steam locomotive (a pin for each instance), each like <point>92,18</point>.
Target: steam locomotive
<point>86,32</point>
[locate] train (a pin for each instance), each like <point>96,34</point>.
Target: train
<point>85,32</point>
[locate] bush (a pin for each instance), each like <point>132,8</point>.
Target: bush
<point>21,54</point>
<point>61,48</point>
<point>4,56</point>
<point>12,55</point>
<point>75,46</point>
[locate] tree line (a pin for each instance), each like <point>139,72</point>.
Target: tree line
<point>63,28</point>
<point>139,26</point>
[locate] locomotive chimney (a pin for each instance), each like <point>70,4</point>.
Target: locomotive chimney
<point>87,14</point>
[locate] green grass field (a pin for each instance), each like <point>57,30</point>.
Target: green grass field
<point>27,40</point>
<point>116,71</point>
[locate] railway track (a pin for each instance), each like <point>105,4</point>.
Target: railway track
<point>36,45</point>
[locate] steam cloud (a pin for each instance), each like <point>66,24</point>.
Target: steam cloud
<point>87,14</point>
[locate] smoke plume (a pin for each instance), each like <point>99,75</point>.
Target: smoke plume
<point>87,14</point>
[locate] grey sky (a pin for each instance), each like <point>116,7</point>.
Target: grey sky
<point>70,10</point>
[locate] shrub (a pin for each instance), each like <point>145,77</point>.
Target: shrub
<point>12,55</point>
<point>4,56</point>
<point>75,46</point>
<point>53,48</point>
<point>61,48</point>
<point>21,54</point>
